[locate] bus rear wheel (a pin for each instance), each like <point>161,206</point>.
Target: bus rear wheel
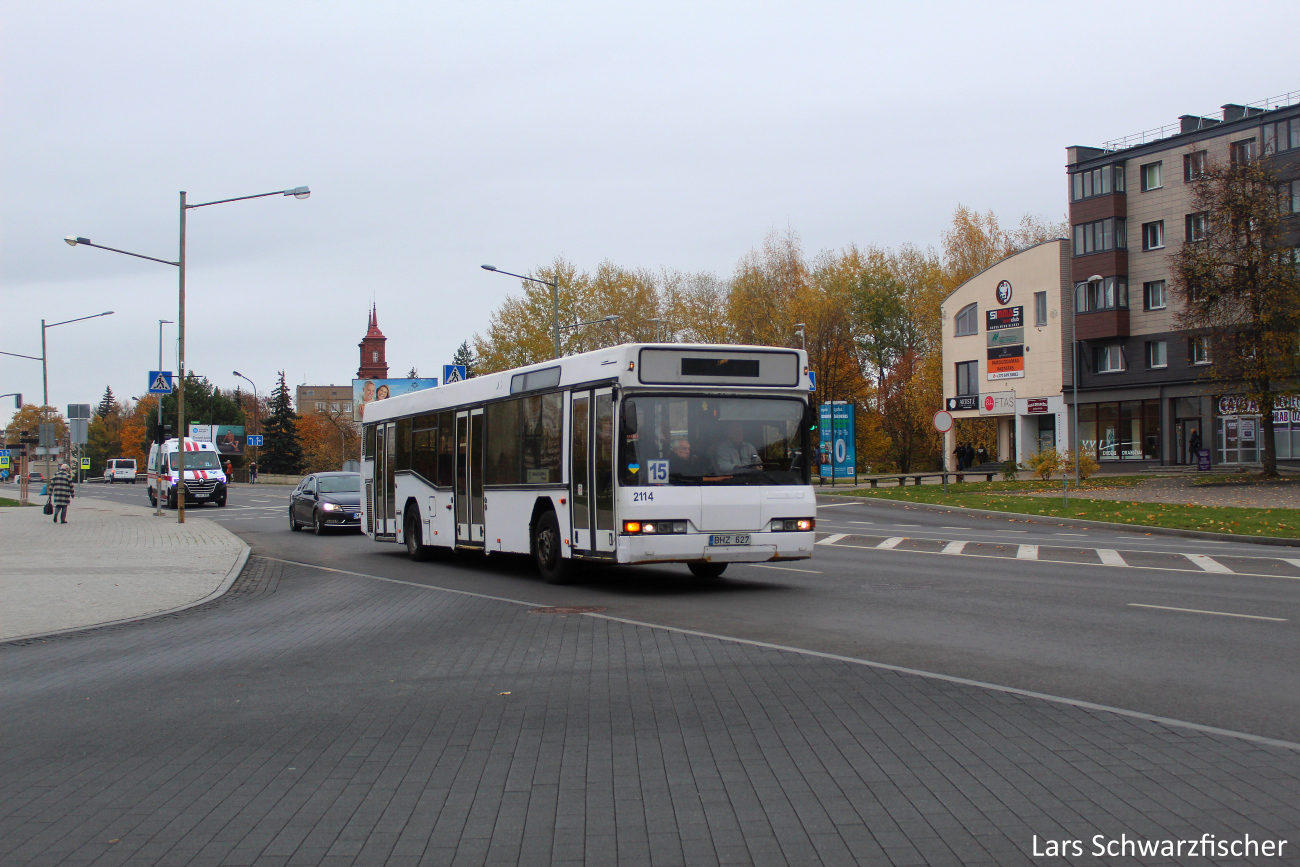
<point>555,568</point>
<point>415,547</point>
<point>707,570</point>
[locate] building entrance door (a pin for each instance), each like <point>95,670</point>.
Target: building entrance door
<point>1183,430</point>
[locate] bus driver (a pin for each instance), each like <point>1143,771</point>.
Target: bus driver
<point>734,454</point>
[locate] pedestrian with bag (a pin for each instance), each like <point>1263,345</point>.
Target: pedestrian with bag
<point>61,493</point>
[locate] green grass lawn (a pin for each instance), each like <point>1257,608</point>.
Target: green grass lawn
<point>1009,497</point>
<point>7,502</point>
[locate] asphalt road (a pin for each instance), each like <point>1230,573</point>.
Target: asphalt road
<point>1199,631</point>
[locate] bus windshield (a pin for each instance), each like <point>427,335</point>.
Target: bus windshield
<point>709,440</point>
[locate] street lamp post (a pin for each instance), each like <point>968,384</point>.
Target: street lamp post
<point>45,377</point>
<point>555,298</point>
<point>610,318</point>
<point>256,403</point>
<point>799,329</point>
<point>297,193</point>
<point>161,322</point>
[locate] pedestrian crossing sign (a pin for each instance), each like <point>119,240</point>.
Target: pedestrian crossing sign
<point>85,463</point>
<point>454,373</point>
<point>160,382</point>
<point>4,461</point>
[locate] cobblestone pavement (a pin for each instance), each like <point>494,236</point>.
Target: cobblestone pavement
<point>314,717</point>
<point>109,562</point>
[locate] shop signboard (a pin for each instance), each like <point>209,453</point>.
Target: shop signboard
<point>998,403</point>
<point>1247,432</point>
<point>1003,318</point>
<point>1036,405</point>
<point>963,402</point>
<point>1203,460</point>
<point>1007,337</point>
<point>1006,362</point>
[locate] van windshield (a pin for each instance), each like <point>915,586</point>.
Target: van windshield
<point>197,461</point>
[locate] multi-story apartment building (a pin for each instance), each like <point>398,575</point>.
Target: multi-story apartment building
<point>1143,392</point>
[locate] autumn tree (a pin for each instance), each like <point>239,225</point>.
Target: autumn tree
<point>136,433</point>
<point>282,452</point>
<point>328,439</point>
<point>1237,283</point>
<point>104,436</point>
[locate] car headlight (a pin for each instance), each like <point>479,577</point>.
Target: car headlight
<point>329,507</point>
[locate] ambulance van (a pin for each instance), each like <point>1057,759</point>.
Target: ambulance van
<point>205,482</point>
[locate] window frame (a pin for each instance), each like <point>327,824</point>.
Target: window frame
<point>1147,289</point>
<point>972,374</point>
<point>1164,354</point>
<point>1146,170</point>
<point>1040,309</point>
<point>1113,352</point>
<point>1198,220</point>
<point>969,312</point>
<point>1099,236</point>
<point>1113,292</point>
<point>1100,181</point>
<point>1198,351</point>
<point>1243,150</point>
<point>1195,165</point>
<point>1154,230</point>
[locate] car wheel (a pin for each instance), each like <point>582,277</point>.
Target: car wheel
<point>293,522</point>
<point>320,525</point>
<point>415,546</point>
<point>153,497</point>
<point>551,562</point>
<point>171,499</point>
<point>707,570</point>
<point>221,502</point>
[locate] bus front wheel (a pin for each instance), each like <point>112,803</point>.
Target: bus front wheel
<point>555,568</point>
<point>707,570</point>
<point>415,546</point>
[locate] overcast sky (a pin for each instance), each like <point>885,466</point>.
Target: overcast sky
<point>439,136</point>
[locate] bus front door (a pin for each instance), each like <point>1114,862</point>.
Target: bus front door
<point>592,471</point>
<point>469,477</point>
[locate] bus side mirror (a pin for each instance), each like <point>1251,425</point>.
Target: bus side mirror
<point>629,417</point>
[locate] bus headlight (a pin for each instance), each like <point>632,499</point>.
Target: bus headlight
<point>654,528</point>
<point>793,525</point>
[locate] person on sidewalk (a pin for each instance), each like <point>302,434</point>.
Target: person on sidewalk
<point>1194,447</point>
<point>61,489</point>
<point>252,473</point>
<point>230,471</point>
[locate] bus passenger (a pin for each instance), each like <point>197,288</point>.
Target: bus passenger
<point>680,460</point>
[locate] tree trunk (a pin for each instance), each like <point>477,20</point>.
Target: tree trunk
<point>1269,451</point>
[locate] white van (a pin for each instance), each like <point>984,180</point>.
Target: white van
<point>119,470</point>
<point>205,481</point>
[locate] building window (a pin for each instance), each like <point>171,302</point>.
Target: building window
<point>1282,136</point>
<point>1110,358</point>
<point>1096,182</point>
<point>1153,295</point>
<point>1151,177</point>
<point>1040,308</point>
<point>374,357</point>
<point>334,406</point>
<point>308,391</point>
<point>1196,227</point>
<point>320,406</point>
<point>968,377</point>
<point>1126,430</point>
<point>1288,198</point>
<point>1243,151</point>
<point>1153,235</point>
<point>1099,236</point>
<point>968,320</point>
<point>347,406</point>
<point>1157,353</point>
<point>1110,293</point>
<point>1194,166</point>
<point>1198,350</point>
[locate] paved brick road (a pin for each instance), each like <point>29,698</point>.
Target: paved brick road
<point>312,717</point>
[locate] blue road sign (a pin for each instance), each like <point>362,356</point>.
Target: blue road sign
<point>4,453</point>
<point>160,382</point>
<point>454,373</point>
<point>254,439</point>
<point>812,380</point>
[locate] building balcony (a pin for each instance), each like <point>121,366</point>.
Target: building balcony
<point>1101,324</point>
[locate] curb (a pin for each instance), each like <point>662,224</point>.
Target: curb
<point>1277,541</point>
<point>221,590</point>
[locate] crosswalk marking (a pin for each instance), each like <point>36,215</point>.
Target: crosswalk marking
<point>1110,558</point>
<point>953,548</point>
<point>891,542</point>
<point>1290,560</point>
<point>1209,564</point>
<point>832,538</point>
<point>1027,552</point>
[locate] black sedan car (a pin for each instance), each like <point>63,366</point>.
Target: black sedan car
<point>326,500</point>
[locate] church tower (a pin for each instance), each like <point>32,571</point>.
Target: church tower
<point>373,363</point>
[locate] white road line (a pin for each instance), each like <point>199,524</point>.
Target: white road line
<point>1110,557</point>
<point>1289,560</point>
<point>1027,552</point>
<point>891,542</point>
<point>832,539</point>
<point>864,523</point>
<point>1209,564</point>
<point>967,529</point>
<point>785,568</point>
<point>1069,534</point>
<point>953,548</point>
<point>833,505</point>
<point>907,526</point>
<point>1200,611</point>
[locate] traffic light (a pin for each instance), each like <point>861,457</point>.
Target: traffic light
<point>18,401</point>
<point>162,433</point>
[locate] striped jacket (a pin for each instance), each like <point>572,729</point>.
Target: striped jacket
<point>61,488</point>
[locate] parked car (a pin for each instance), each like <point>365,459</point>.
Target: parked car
<point>326,500</point>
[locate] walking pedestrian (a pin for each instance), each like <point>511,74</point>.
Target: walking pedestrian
<point>982,455</point>
<point>252,473</point>
<point>230,470</point>
<point>1194,447</point>
<point>62,490</point>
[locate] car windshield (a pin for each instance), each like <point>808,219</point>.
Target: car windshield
<point>340,484</point>
<point>198,460</point>
<point>706,440</point>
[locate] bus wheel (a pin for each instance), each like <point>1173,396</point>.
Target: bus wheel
<point>707,570</point>
<point>546,549</point>
<point>415,547</point>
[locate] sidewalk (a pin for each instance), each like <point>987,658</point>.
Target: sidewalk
<point>110,562</point>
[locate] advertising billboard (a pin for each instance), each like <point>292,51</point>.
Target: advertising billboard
<point>366,391</point>
<point>837,428</point>
<point>228,438</point>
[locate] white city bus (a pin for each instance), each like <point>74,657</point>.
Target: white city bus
<point>639,453</point>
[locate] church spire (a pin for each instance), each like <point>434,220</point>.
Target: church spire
<point>374,364</point>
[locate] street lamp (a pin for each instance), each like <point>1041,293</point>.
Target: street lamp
<point>655,320</point>
<point>74,240</point>
<point>610,318</point>
<point>798,329</point>
<point>256,402</point>
<point>1074,369</point>
<point>555,297</point>
<point>45,378</point>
